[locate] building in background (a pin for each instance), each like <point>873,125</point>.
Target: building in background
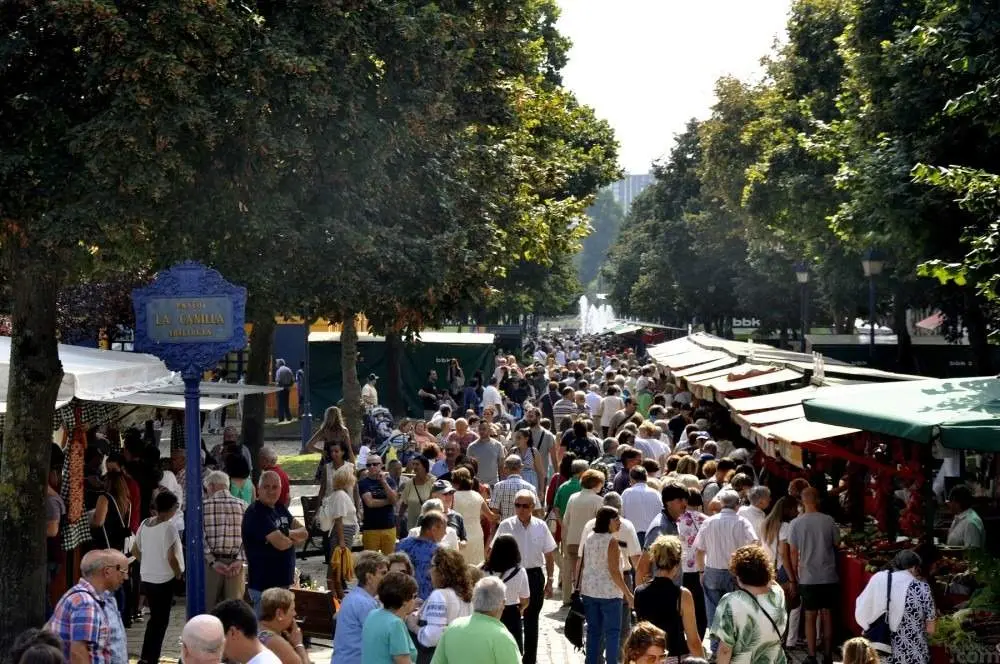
<point>625,191</point>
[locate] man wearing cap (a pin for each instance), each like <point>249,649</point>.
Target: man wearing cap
<point>445,492</point>
<point>369,395</point>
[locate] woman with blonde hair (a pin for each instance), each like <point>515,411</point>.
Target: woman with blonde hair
<point>278,631</point>
<point>449,601</point>
<point>666,605</point>
<point>646,644</point>
<point>859,651</point>
<point>332,432</point>
<point>344,528</point>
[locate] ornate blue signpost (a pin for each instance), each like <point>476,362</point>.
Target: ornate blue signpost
<point>190,317</point>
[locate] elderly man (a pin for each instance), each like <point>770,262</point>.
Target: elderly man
<point>223,521</point>
<point>481,633</point>
<point>717,539</point>
<point>268,458</point>
<point>443,468</point>
<point>270,535</point>
<point>582,507</point>
<point>505,491</point>
<point>369,568</point>
<point>421,549</point>
<point>202,640</point>
<point>756,511</point>
<point>536,545</point>
<point>812,541</point>
<point>87,618</point>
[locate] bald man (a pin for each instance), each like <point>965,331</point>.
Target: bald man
<point>813,538</point>
<point>202,640</point>
<point>86,617</point>
<point>270,535</point>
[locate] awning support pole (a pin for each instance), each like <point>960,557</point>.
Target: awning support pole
<point>193,530</point>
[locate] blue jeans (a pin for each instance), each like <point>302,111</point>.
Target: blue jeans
<point>717,582</point>
<point>255,596</point>
<point>604,618</point>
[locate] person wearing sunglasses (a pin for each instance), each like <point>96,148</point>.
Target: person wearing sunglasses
<point>536,544</point>
<point>379,494</point>
<point>86,617</point>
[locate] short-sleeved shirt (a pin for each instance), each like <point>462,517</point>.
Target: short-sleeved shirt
<point>565,492</point>
<point>481,634</point>
<point>815,535</point>
<point>85,616</point>
<point>534,541</point>
<point>515,583</point>
<point>489,454</point>
<point>420,551</point>
<point>429,403</point>
<point>384,636</point>
<point>354,610</point>
<point>583,448</point>
<point>740,623</point>
<point>267,566</point>
<point>377,518</point>
<point>505,493</point>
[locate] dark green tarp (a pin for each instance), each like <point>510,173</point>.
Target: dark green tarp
<point>963,412</point>
<point>416,359</point>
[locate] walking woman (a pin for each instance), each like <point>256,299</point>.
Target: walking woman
<point>109,525</point>
<point>158,549</point>
<point>473,508</point>
<point>669,607</point>
<point>505,563</point>
<point>912,616</point>
<point>750,621</point>
<point>774,539</point>
<point>417,491</point>
<point>688,526</point>
<point>332,432</point>
<point>603,586</point>
<point>531,470</point>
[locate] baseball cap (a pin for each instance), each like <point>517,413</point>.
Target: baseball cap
<point>443,486</point>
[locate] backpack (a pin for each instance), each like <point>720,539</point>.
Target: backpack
<point>605,464</point>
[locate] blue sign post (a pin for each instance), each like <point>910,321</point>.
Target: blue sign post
<point>190,317</point>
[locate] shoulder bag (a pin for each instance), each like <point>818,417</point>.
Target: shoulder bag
<point>575,618</point>
<point>879,633</point>
<point>781,633</point>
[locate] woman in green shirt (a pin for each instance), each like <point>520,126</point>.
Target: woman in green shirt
<point>384,637</point>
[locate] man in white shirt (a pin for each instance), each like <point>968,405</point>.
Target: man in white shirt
<point>717,539</point>
<point>536,545</point>
<point>491,394</point>
<point>628,540</point>
<point>593,396</point>
<point>756,511</point>
<point>641,503</point>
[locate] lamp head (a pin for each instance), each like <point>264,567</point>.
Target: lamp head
<point>872,262</point>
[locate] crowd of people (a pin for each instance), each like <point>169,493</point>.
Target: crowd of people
<point>672,541</point>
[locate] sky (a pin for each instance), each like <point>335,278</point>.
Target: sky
<point>649,66</point>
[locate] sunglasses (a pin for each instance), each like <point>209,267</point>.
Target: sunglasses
<point>374,465</point>
<point>524,506</point>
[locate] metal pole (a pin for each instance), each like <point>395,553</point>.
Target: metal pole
<point>306,418</point>
<point>805,313</point>
<point>871,316</point>
<point>193,530</point>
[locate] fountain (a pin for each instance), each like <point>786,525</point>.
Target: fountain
<point>595,319</point>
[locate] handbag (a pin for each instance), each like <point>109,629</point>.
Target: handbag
<point>879,633</point>
<point>575,618</point>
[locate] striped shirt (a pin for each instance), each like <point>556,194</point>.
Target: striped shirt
<point>223,518</point>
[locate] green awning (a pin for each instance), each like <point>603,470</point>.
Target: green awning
<point>963,412</point>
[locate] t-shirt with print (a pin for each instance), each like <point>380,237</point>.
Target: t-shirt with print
<point>583,448</point>
<point>376,518</point>
<point>816,536</point>
<point>267,566</point>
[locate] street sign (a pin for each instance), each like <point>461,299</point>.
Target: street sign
<point>190,317</point>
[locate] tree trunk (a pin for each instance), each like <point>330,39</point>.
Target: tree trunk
<point>393,382</point>
<point>33,384</point>
<point>352,389</point>
<point>904,344</point>
<point>257,373</point>
<point>979,341</point>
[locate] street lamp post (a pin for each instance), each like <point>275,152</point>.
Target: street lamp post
<point>872,263</point>
<point>802,276</point>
